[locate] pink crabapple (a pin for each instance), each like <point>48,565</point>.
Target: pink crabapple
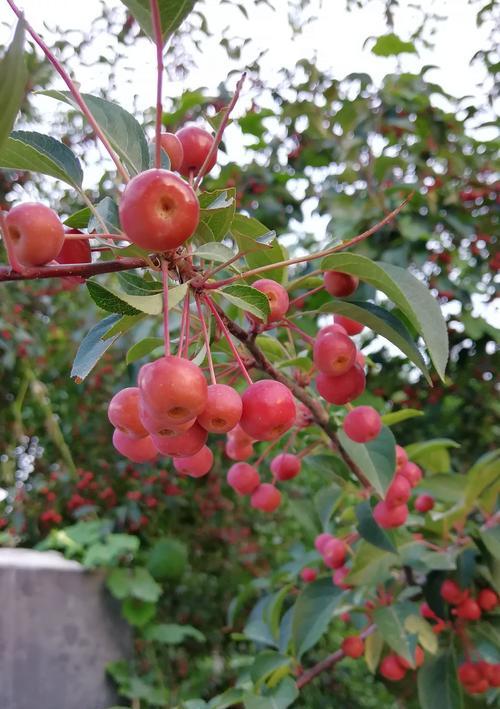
<point>138,450</point>
<point>338,284</point>
<point>285,466</point>
<point>268,410</point>
<point>196,145</point>
<point>34,233</point>
<point>362,424</point>
<point>266,498</point>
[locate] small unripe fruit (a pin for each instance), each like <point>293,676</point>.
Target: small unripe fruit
<point>308,575</point>
<point>285,466</point>
<point>424,503</point>
<point>351,326</point>
<point>468,610</point>
<point>159,211</point>
<point>391,669</point>
<point>334,354</point>
<point>334,553</point>
<point>183,444</point>
<point>243,478</point>
<point>195,465</point>
<point>399,492</point>
<point>342,389</point>
<point>223,409</point>
<point>266,498</point>
<point>196,144</point>
<point>340,285</point>
<point>171,144</point>
<point>277,297</point>
<point>322,540</point>
<point>412,472</point>
<point>34,233</point>
<point>123,413</point>
<point>353,646</point>
<point>390,517</point>
<point>138,450</point>
<point>362,424</point>
<point>268,410</point>
<point>487,599</point>
<point>452,593</point>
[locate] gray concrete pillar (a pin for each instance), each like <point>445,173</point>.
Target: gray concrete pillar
<point>58,630</point>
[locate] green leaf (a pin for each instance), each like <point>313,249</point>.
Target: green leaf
<point>172,634</point>
<point>371,565</point>
<point>384,323</point>
<point>107,209</point>
<point>118,582</point>
<point>13,81</point>
<point>266,663</point>
<point>107,300</point>
<point>79,219</point>
<point>248,299</point>
<point>143,586</point>
<point>36,152</point>
<point>271,347</point>
<point>326,501</point>
<point>217,211</point>
<point>407,293</point>
<point>369,529</point>
<point>213,251</point>
<point>167,559</point>
<point>112,548</point>
<point>312,613</point>
<point>391,45</point>
<point>227,699</point>
<point>134,304</point>
<point>377,459</point>
<point>304,513</point>
<point>125,323</point>
<point>491,540</point>
<point>92,347</point>
<point>280,697</point>
<point>390,621</point>
<point>423,630</point>
<point>142,348</point>
<point>395,417</point>
<point>172,14</point>
<point>120,128</point>
<point>374,644</point>
<point>138,285</point>
<point>137,612</point>
<point>483,473</point>
<point>438,683</point>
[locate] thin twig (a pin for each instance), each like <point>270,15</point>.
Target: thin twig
<point>204,329</point>
<point>86,270</point>
<point>155,15</point>
<point>166,330</point>
<point>224,329</point>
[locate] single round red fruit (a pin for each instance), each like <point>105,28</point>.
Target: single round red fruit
<point>266,498</point>
<point>321,541</point>
<point>362,424</point>
<point>243,478</point>
<point>412,472</point>
<point>338,578</point>
<point>469,673</point>
<point>268,410</point>
<point>34,233</point>
<point>340,285</point>
<point>277,297</point>
<point>238,451</point>
<point>344,388</point>
<point>419,659</point>
<point>159,210</point>
<point>401,457</point>
<point>162,425</point>
<point>223,409</point>
<point>329,329</point>
<point>138,450</point>
<point>399,492</point>
<point>351,326</point>
<point>173,389</point>
<point>334,353</point>
<point>285,466</point>
<point>468,610</point>
<point>424,503</point>
<point>452,593</point>
<point>123,413</point>
<point>74,251</point>
<point>195,465</point>
<point>196,144</point>
<point>353,646</point>
<point>183,444</point>
<point>308,575</point>
<point>171,144</point>
<point>487,599</point>
<point>390,517</point>
<point>391,669</point>
<point>334,553</point>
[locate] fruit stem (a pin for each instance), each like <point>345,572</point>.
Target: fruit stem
<point>116,237</point>
<point>224,265</point>
<point>207,340</point>
<point>225,331</point>
<point>296,328</point>
<point>76,94</point>
<point>166,331</point>
<point>265,452</point>
<point>220,132</point>
<point>155,15</point>
<point>306,295</point>
<point>319,254</point>
<point>184,329</point>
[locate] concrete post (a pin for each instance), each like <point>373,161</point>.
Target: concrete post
<point>58,630</point>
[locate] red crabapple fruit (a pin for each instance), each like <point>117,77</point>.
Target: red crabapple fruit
<point>342,389</point>
<point>159,211</point>
<point>34,233</point>
<point>334,553</point>
<point>424,503</point>
<point>308,575</point>
<point>268,410</point>
<point>285,466</point>
<point>123,413</point>
<point>419,659</point>
<point>353,646</point>
<point>195,465</point>
<point>223,409</point>
<point>329,329</point>
<point>183,444</point>
<point>321,541</point>
<point>266,498</point>
<point>487,599</point>
<point>362,424</point>
<point>334,354</point>
<point>196,144</point>
<point>138,450</point>
<point>389,517</point>
<point>468,610</point>
<point>411,472</point>
<point>391,669</point>
<point>238,451</point>
<point>243,478</point>
<point>338,578</point>
<point>401,457</point>
<point>398,493</point>
<point>171,144</point>
<point>351,326</point>
<point>452,593</point>
<point>277,297</point>
<point>340,285</point>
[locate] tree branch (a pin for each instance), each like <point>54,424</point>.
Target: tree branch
<point>79,269</point>
<point>328,662</point>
